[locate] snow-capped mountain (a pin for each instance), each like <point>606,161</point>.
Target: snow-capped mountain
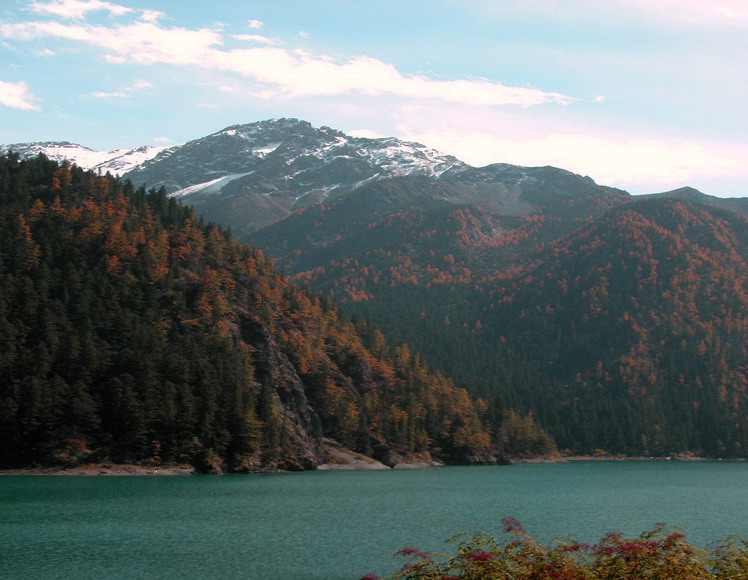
<point>267,170</point>
<point>274,166</point>
<point>116,162</point>
<point>253,175</point>
<point>288,150</point>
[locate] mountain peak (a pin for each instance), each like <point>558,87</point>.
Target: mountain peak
<point>281,165</point>
<point>690,194</point>
<point>684,193</point>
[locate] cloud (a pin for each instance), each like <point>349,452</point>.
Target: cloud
<point>17,96</point>
<point>279,72</point>
<point>151,15</point>
<point>622,163</point>
<point>701,13</point>
<point>109,95</point>
<point>255,24</point>
<point>141,42</point>
<point>122,93</point>
<point>257,38</point>
<point>77,9</point>
<point>728,13</point>
<point>294,73</point>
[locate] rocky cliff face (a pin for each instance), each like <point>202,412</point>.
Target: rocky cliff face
<point>300,426</point>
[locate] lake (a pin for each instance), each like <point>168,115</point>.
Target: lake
<point>341,524</point>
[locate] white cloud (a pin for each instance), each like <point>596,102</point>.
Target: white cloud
<point>622,163</point>
<point>109,95</point>
<point>701,13</point>
<point>141,42</point>
<point>258,38</point>
<point>17,96</point>
<point>122,93</point>
<point>287,73</point>
<point>281,72</point>
<point>255,24</point>
<point>151,15</point>
<point>730,13</point>
<point>77,9</point>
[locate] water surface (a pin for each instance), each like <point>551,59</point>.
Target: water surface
<point>341,524</point>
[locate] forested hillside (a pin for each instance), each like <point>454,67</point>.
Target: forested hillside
<point>620,322</point>
<point>132,331</point>
<point>640,324</point>
<point>575,312</point>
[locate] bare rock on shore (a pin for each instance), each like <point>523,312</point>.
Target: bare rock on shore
<point>338,457</point>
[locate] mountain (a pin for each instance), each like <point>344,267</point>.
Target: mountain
<point>618,321</point>
<point>739,204</point>
<point>265,171</point>
<point>133,331</point>
<point>252,175</point>
<point>637,322</point>
<point>615,321</point>
<point>261,171</point>
<point>116,162</point>
<point>459,265</point>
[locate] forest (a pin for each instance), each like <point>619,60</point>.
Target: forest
<point>618,322</point>
<point>133,331</point>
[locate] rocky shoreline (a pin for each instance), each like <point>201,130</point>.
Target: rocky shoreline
<point>181,470</point>
<point>338,459</point>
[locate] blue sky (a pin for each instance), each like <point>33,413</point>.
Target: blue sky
<point>646,95</point>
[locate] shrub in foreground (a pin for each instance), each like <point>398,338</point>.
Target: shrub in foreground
<point>660,553</point>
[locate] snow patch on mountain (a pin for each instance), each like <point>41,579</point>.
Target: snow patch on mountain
<point>406,158</point>
<point>393,156</point>
<point>130,159</point>
<point>263,151</point>
<point>210,187</point>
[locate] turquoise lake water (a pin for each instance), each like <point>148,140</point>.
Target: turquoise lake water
<point>341,524</point>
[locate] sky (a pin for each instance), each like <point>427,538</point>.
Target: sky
<point>645,95</point>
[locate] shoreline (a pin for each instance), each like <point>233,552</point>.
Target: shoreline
<point>128,469</point>
<point>573,458</point>
<point>107,469</point>
<point>356,462</point>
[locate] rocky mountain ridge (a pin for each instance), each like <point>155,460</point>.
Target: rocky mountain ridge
<point>116,162</point>
<point>248,176</point>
